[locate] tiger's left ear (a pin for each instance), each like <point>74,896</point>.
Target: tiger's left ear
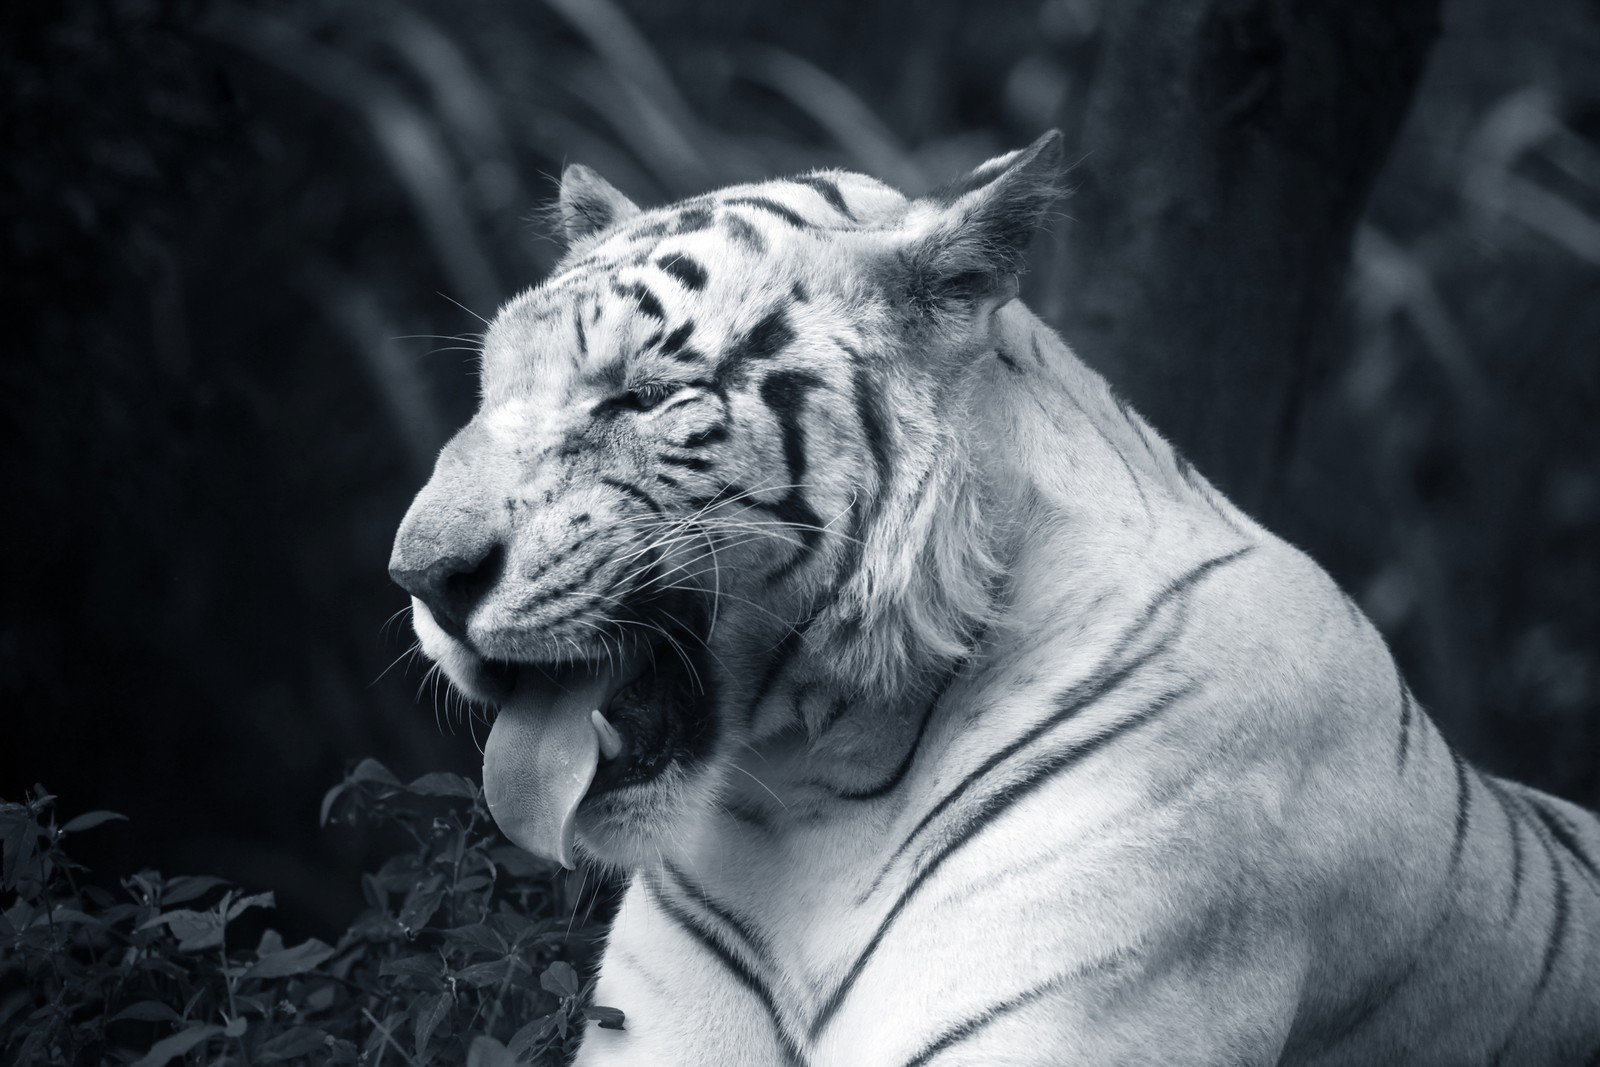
<point>966,242</point>
<point>589,204</point>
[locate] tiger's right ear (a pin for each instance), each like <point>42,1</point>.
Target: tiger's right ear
<point>589,204</point>
<point>965,243</point>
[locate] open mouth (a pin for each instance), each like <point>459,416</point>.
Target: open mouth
<point>567,733</point>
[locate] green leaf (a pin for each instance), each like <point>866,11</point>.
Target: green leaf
<point>169,1048</point>
<point>479,975</point>
<point>428,1015</point>
<point>148,1011</point>
<point>370,770</point>
<point>187,887</point>
<point>532,1034</point>
<point>255,900</point>
<point>89,820</point>
<point>328,800</point>
<point>293,1043</point>
<point>487,1052</point>
<point>421,903</point>
<point>419,966</point>
<point>19,840</point>
<point>195,930</point>
<point>321,998</point>
<point>443,784</point>
<point>479,936</point>
<point>559,978</point>
<point>306,956</point>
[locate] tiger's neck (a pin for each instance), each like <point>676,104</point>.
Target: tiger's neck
<point>1084,507</point>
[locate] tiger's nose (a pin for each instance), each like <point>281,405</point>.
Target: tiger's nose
<point>451,586</point>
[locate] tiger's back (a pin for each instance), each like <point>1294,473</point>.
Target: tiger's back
<point>1026,745</point>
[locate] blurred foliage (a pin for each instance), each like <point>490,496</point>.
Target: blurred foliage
<point>438,968</point>
<point>249,246</point>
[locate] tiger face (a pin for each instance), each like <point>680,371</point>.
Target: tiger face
<point>679,479</point>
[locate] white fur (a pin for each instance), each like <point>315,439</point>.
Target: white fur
<point>1240,874</point>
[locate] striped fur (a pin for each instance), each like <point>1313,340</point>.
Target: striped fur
<point>1028,746</point>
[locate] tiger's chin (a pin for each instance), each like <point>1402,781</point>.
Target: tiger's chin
<point>626,828</point>
<point>604,753</point>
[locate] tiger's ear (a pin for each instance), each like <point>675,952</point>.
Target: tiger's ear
<point>589,204</point>
<point>966,242</point>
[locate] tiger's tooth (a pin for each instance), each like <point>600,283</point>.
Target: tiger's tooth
<point>610,740</point>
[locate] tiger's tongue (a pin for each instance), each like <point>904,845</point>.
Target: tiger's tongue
<point>540,758</point>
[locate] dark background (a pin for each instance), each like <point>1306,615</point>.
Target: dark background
<point>1346,253</point>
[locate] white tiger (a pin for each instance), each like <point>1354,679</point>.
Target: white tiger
<point>939,712</point>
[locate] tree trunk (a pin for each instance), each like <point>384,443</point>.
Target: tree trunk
<point>1227,150</point>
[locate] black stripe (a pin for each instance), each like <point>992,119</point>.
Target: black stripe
<point>658,228</point>
<point>896,776</point>
<point>667,480</point>
<point>744,233</point>
<point>969,182</point>
<point>762,203</point>
<point>1554,938</point>
<point>554,561</point>
<point>690,273</point>
<point>734,965</point>
<point>784,392</point>
<point>830,192</point>
<point>1351,1018</point>
<point>991,809</point>
<point>674,341</point>
<point>1011,365</point>
<point>870,410</point>
<point>1110,674</point>
<point>1177,587</point>
<point>1463,810</point>
<point>1563,832</point>
<point>583,337</point>
<point>1185,468</point>
<point>1514,828</point>
<point>785,651</point>
<point>974,1025</point>
<point>1405,725</point>
<point>576,585</point>
<point>694,463</point>
<point>1071,702</point>
<point>645,299</point>
<point>766,339</point>
<point>755,942</point>
<point>710,435</point>
<point>799,293</point>
<point>873,420</point>
<point>749,815</point>
<point>634,492</point>
<point>1133,477</point>
<point>691,219</point>
<point>729,491</point>
<point>1558,931</point>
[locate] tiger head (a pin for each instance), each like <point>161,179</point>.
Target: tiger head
<point>722,442</point>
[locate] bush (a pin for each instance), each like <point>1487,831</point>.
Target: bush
<point>465,952</point>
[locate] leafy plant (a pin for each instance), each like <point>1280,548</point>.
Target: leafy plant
<point>464,953</point>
